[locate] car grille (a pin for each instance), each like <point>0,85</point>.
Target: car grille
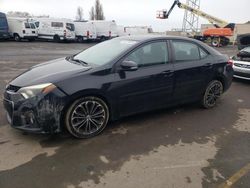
<point>242,65</point>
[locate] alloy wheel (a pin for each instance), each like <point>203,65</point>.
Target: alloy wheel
<point>87,117</point>
<point>213,93</point>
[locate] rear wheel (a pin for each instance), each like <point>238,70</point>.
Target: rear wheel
<point>87,117</point>
<point>56,38</point>
<point>215,42</point>
<point>213,92</point>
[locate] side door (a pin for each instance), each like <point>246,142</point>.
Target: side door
<point>193,67</point>
<point>151,85</point>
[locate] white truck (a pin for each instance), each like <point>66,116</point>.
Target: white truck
<point>55,29</point>
<point>85,31</point>
<point>105,29</point>
<point>22,28</point>
<point>136,30</point>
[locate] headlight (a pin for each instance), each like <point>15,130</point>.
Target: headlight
<point>31,91</point>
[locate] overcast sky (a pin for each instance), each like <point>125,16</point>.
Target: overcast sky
<point>132,12</point>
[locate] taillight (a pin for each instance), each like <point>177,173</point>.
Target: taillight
<point>230,62</point>
<point>109,33</point>
<point>87,33</point>
<point>64,33</point>
<point>23,31</point>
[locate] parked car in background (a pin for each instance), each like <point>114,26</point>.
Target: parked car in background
<point>55,29</point>
<point>85,31</point>
<point>105,29</point>
<point>243,41</point>
<point>113,79</point>
<point>244,53</point>
<point>4,28</point>
<point>241,64</point>
<point>22,28</point>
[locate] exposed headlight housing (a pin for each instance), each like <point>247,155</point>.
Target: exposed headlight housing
<point>31,91</point>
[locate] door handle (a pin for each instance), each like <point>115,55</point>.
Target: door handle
<point>168,73</point>
<point>208,65</point>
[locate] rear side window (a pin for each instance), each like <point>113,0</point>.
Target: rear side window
<point>203,53</point>
<point>56,24</point>
<point>185,51</point>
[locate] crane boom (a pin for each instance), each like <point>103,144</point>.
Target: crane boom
<point>219,23</point>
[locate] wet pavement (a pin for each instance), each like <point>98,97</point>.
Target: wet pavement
<point>185,146</point>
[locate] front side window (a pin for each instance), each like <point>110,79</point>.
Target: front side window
<point>186,51</point>
<point>150,54</point>
<point>56,24</point>
<point>27,25</point>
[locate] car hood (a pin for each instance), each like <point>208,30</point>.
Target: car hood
<point>49,72</point>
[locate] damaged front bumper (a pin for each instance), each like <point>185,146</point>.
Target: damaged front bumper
<point>39,114</point>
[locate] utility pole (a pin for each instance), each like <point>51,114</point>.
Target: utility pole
<point>190,20</point>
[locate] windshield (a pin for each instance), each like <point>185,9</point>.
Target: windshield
<point>32,25</point>
<point>247,49</point>
<point>3,22</point>
<point>70,26</point>
<point>104,52</point>
<point>37,24</point>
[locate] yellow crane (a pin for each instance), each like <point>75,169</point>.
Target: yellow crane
<point>217,36</point>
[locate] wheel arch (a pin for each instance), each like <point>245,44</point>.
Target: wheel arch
<point>221,79</point>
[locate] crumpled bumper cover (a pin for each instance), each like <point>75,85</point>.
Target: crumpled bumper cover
<point>39,114</point>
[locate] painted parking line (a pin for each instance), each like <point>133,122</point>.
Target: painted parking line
<point>233,179</point>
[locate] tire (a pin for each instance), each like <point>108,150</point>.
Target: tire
<point>87,117</point>
<point>213,92</point>
<point>17,37</point>
<point>215,42</point>
<point>56,38</point>
<point>103,38</point>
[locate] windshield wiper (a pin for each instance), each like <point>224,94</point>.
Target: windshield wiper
<point>71,58</point>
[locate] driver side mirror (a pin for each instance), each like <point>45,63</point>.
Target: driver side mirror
<point>129,65</point>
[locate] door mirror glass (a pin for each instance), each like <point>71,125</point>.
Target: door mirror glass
<point>129,65</point>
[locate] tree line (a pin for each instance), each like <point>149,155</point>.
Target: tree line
<point>96,12</point>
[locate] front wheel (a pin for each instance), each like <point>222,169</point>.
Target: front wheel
<point>87,117</point>
<point>213,92</point>
<point>17,37</point>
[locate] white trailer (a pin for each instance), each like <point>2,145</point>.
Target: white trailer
<point>105,29</point>
<point>85,31</point>
<point>55,29</point>
<point>22,28</point>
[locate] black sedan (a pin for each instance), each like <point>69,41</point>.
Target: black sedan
<point>116,78</point>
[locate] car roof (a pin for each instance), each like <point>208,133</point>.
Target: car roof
<point>153,37</point>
